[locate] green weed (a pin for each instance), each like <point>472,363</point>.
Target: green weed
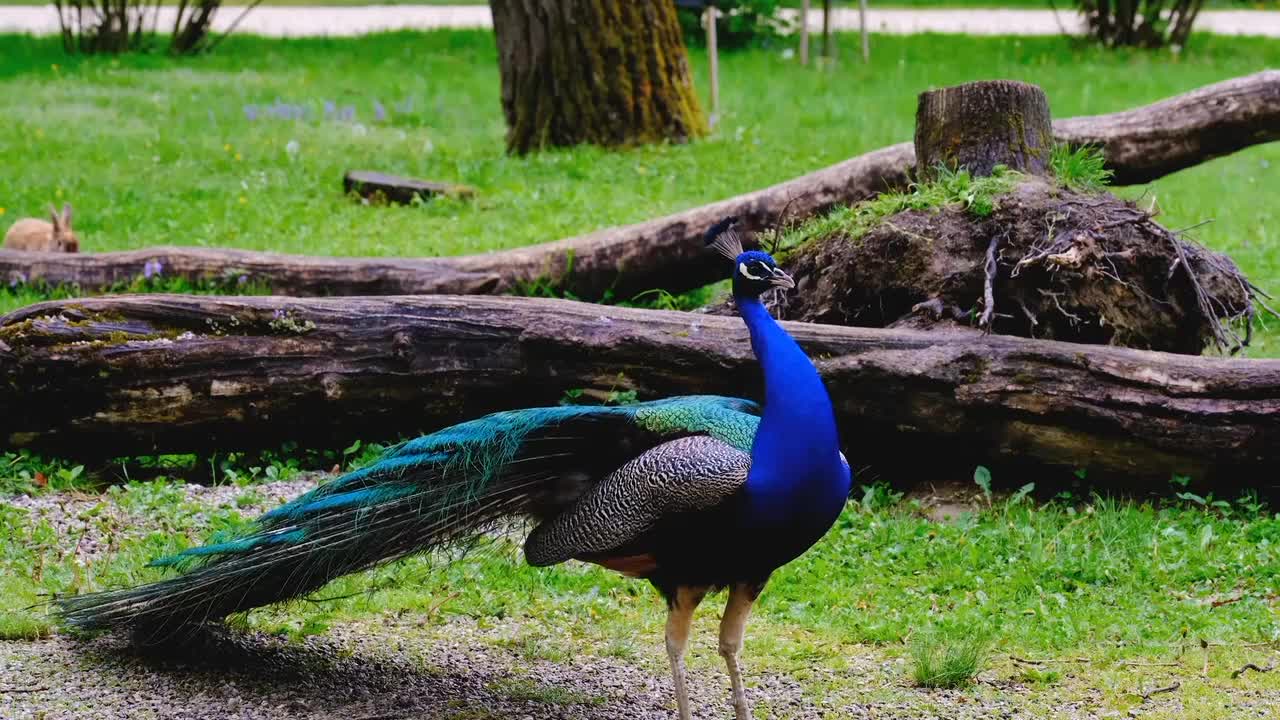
<point>949,189</point>
<point>948,658</point>
<point>22,472</point>
<point>1040,676</point>
<point>1082,169</point>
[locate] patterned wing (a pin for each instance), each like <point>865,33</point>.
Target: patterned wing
<point>690,473</point>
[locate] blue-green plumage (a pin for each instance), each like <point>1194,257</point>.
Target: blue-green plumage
<point>691,492</point>
<point>437,490</point>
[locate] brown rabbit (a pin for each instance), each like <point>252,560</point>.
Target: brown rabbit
<point>42,236</point>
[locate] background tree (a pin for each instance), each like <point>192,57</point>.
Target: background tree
<point>739,23</point>
<point>1140,23</point>
<point>608,72</point>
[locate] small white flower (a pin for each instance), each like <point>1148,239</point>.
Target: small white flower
<point>292,148</point>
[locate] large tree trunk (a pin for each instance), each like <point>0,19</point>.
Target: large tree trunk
<point>146,374</point>
<point>1140,145</point>
<point>608,72</point>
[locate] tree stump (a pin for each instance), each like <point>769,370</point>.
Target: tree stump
<point>608,72</point>
<point>979,125</point>
<point>1017,252</point>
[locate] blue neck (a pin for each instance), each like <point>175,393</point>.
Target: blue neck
<point>795,461</point>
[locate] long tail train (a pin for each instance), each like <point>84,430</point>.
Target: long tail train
<point>436,491</point>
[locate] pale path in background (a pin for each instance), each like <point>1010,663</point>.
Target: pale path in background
<point>310,21</point>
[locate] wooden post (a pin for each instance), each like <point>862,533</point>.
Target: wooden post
<point>804,32</point>
<point>828,53</point>
<point>713,53</point>
<point>862,28</point>
<point>980,125</point>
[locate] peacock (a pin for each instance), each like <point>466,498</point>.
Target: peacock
<point>694,494</point>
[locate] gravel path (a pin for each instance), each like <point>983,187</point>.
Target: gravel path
<point>335,21</point>
<point>398,669</point>
<point>370,671</point>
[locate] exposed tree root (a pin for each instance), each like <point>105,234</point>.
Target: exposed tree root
<point>1047,263</point>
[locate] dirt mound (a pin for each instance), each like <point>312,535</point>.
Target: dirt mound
<point>1045,262</point>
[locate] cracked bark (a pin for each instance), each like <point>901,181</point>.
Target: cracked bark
<point>107,377</point>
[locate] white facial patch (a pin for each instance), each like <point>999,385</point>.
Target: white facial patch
<point>742,268</point>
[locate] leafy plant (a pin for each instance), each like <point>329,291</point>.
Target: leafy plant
<point>659,299</point>
<point>740,23</point>
<point>1140,23</point>
<point>879,496</point>
<point>24,473</point>
<point>1021,493</point>
<point>982,478</point>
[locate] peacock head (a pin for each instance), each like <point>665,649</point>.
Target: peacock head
<point>754,271</point>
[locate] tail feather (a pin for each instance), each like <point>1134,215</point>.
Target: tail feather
<point>439,490</point>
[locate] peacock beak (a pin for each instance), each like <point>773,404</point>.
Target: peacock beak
<point>781,279</point>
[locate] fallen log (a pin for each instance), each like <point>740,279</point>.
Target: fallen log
<point>1140,145</point>
<point>114,376</point>
<point>1155,140</point>
<point>622,261</point>
<point>383,188</point>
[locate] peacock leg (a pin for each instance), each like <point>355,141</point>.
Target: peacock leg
<point>732,628</point>
<point>680,606</point>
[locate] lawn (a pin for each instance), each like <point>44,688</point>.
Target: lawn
<point>1105,597</point>
<point>199,151</point>
<point>204,151</point>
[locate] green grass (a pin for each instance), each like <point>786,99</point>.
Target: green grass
<point>949,189</point>
<point>153,150</point>
<point>16,296</point>
<point>1082,169</point>
<point>949,658</point>
<point>1112,581</point>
